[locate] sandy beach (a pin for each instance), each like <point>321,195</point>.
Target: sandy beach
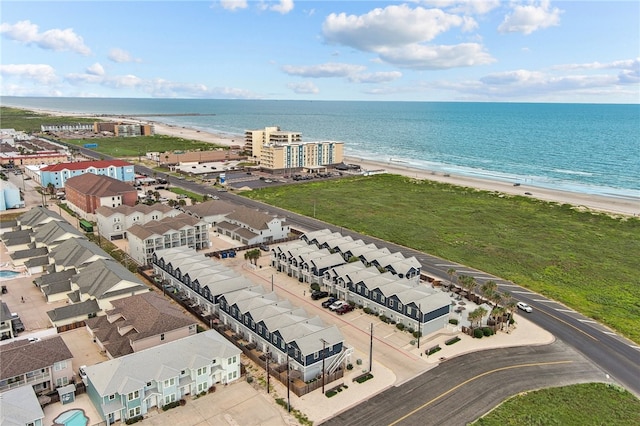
<point>597,203</point>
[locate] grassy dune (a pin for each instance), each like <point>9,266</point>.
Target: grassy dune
<point>582,259</point>
<point>585,404</point>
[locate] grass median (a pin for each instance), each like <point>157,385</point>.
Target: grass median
<point>582,259</point>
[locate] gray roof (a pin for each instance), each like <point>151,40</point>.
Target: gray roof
<point>132,372</point>
<point>73,310</point>
<point>103,279</point>
<point>76,252</point>
<point>38,216</point>
<point>55,277</point>
<point>19,406</point>
<point>15,238</point>
<point>53,233</point>
<point>253,218</point>
<point>210,208</point>
<point>22,356</point>
<point>37,261</point>
<point>129,210</point>
<point>164,225</point>
<point>29,253</point>
<point>6,224</point>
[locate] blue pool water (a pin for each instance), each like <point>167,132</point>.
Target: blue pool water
<point>72,418</point>
<point>8,274</point>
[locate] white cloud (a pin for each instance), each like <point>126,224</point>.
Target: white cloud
<point>468,7</point>
<point>330,69</point>
<point>57,40</point>
<point>529,18</point>
<point>121,56</point>
<point>233,4</point>
<point>39,73</point>
<point>376,77</point>
<point>423,57</point>
<point>391,27</point>
<point>304,88</point>
<point>95,69</point>
<point>283,7</point>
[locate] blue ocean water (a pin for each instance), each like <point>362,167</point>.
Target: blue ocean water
<point>587,148</point>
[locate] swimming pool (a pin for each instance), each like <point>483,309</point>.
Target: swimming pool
<point>8,274</point>
<point>72,418</point>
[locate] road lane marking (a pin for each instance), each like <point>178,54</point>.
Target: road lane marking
<point>588,321</point>
<point>570,311</point>
<point>486,373</point>
<point>570,325</point>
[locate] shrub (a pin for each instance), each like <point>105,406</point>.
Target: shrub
<point>410,330</point>
<point>433,350</point>
<point>417,334</point>
<point>315,287</point>
<point>477,333</point>
<point>487,331</point>
<point>363,378</point>
<point>368,311</point>
<point>452,341</point>
<point>133,420</point>
<point>249,379</point>
<point>400,326</point>
<point>212,389</point>
<point>170,405</point>
<point>349,366</point>
<point>453,321</point>
<point>330,393</point>
<point>384,318</point>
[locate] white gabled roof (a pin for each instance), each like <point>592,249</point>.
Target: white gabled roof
<point>131,372</point>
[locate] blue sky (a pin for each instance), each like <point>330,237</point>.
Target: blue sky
<point>438,50</point>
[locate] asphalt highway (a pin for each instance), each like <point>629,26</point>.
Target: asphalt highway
<point>464,388</point>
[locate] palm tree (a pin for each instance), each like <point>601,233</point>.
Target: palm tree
<point>469,285</point>
<point>488,289</point>
<point>475,317</point>
<point>509,305</point>
<point>252,256</point>
<point>497,312</point>
<point>51,189</point>
<point>452,273</point>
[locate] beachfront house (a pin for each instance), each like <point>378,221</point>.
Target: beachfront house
<point>128,387</point>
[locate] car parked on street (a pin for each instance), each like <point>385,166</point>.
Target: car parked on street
<point>328,302</point>
<point>524,307</point>
<point>83,374</point>
<point>337,305</point>
<point>344,309</point>
<point>316,295</point>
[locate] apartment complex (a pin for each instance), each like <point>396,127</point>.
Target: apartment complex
<point>59,173</point>
<point>87,193</point>
<point>277,150</point>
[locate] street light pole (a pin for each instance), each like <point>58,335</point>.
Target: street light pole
<point>288,383</point>
<point>419,323</point>
<point>268,375</point>
<point>324,355</point>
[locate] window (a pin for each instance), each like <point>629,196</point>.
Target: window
<point>169,399</point>
<point>133,395</point>
<point>60,365</point>
<point>162,336</point>
<point>169,382</point>
<point>202,387</point>
<point>62,381</point>
<point>133,412</point>
<point>202,370</point>
<point>112,397</point>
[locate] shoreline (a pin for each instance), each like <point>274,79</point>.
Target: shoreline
<point>598,203</point>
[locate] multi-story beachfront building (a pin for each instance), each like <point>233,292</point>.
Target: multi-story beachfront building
<point>59,173</point>
<point>283,150</point>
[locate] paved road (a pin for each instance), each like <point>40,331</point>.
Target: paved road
<point>463,389</point>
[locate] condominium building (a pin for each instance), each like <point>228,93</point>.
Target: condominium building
<point>281,150</point>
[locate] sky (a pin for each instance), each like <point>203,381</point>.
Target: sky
<point>417,50</point>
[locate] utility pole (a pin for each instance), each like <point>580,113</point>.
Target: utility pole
<point>324,355</point>
<point>371,349</point>
<point>268,375</point>
<point>272,282</point>
<point>288,383</point>
<point>419,323</point>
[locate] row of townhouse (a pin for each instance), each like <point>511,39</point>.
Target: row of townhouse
<point>58,174</point>
<point>274,325</point>
<point>181,230</point>
<point>129,386</point>
<point>113,222</point>
<point>385,282</point>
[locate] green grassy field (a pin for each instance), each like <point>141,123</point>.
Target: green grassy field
<point>582,259</point>
<point>30,122</point>
<point>584,405</point>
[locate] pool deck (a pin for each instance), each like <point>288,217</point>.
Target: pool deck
<point>82,402</point>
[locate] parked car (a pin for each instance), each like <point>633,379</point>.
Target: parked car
<point>83,374</point>
<point>337,305</point>
<point>344,309</point>
<point>34,339</point>
<point>328,302</point>
<point>315,295</point>
<point>523,306</point>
